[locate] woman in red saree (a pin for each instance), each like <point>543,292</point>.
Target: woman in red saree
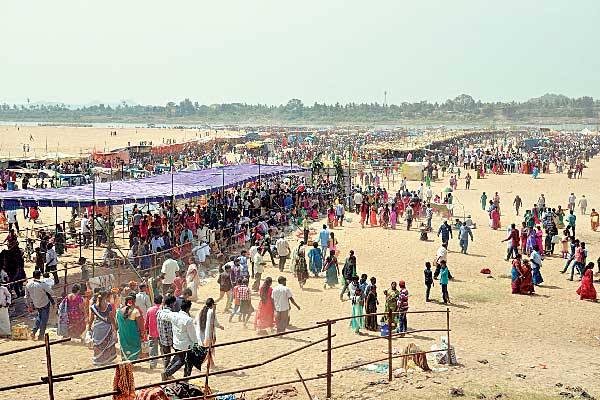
<point>525,278</point>
<point>373,216</point>
<point>586,290</point>
<point>264,317</point>
<point>400,207</point>
<point>364,210</point>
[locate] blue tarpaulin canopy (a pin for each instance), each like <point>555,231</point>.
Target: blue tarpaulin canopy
<point>145,190</point>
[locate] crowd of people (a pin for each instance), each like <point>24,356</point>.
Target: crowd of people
<point>243,228</point>
<point>541,230</point>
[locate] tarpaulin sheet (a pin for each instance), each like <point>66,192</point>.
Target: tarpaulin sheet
<point>145,190</point>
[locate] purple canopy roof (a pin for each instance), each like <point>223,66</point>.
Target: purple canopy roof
<point>145,190</point>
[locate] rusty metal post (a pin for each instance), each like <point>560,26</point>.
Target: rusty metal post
<point>65,291</point>
<point>389,338</point>
<point>448,333</point>
<point>49,367</point>
<point>329,376</point>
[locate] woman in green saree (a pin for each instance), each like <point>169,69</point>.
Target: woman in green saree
<point>131,329</point>
<point>391,304</point>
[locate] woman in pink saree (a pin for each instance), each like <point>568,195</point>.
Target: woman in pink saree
<point>495,219</point>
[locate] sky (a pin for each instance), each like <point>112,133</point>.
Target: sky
<point>269,51</point>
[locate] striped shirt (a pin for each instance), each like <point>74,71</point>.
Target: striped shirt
<point>403,300</point>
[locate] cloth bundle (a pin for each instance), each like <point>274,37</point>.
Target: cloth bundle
<point>124,382</point>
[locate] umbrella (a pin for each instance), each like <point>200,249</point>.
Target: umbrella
<point>448,190</point>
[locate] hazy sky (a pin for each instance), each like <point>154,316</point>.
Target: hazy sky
<point>153,51</point>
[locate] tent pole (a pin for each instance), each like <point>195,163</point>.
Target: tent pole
<point>223,184</point>
<point>93,226</point>
<point>174,242</point>
<point>123,221</point>
<point>109,238</point>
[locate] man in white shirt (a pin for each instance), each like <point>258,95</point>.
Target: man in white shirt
<point>142,299</point>
<point>38,296</point>
<point>99,229</point>
<point>583,204</point>
<point>282,297</point>
<point>156,243</point>
<point>358,199</point>
<point>11,217</point>
<point>184,337</point>
<point>169,269</point>
<point>52,262</point>
<point>5,299</point>
<point>202,233</point>
<point>253,250</point>
<point>429,194</point>
<point>85,231</point>
<point>442,254</point>
<point>283,250</point>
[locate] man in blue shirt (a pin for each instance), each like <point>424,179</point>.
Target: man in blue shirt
<point>571,222</point>
<point>463,236</point>
<point>446,232</point>
<point>244,263</point>
<point>324,240</point>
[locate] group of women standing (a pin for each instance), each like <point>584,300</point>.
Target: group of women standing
<point>316,262</point>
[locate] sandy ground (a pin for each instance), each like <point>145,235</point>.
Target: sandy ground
<point>83,140</point>
<point>514,334</point>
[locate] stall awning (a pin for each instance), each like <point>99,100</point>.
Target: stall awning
<point>145,190</point>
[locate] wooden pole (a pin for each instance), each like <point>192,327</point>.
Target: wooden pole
<point>328,359</point>
<point>448,333</point>
<point>36,346</point>
<point>49,367</point>
<point>94,226</point>
<point>304,384</point>
<point>210,350</point>
<point>390,317</point>
<point>66,283</point>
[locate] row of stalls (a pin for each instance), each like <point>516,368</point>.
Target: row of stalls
<point>41,170</point>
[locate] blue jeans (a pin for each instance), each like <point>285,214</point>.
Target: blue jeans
<point>464,243</point>
<point>445,295</point>
<point>41,321</point>
<point>178,361</point>
<point>429,223</point>
<point>402,323</point>
<point>345,288</point>
<point>324,251</point>
<point>153,351</point>
<point>571,257</point>
<point>579,266</point>
<point>235,310</point>
<point>512,251</point>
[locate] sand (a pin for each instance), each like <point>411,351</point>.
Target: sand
<point>84,140</point>
<point>514,334</point>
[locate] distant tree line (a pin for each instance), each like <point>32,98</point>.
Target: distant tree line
<point>462,108</point>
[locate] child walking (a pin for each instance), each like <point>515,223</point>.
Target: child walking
<point>246,308</point>
<point>428,279</point>
<point>444,281</point>
<point>402,307</point>
<point>236,300</point>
